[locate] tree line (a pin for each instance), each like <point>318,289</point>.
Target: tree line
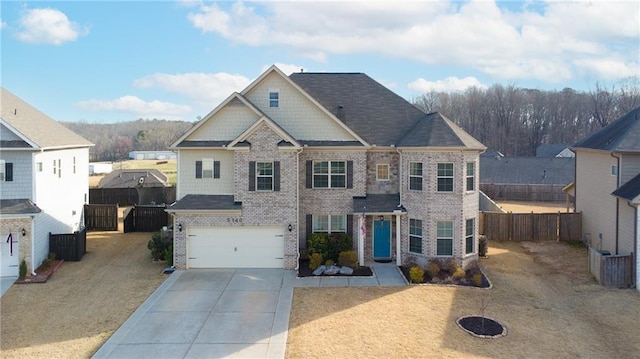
<point>114,141</point>
<point>515,121</point>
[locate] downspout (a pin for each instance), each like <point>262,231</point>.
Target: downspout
<point>617,200</point>
<point>33,250</point>
<point>398,234</point>
<point>634,272</point>
<point>298,209</point>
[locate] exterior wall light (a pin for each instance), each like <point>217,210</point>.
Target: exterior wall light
<point>179,227</point>
<point>290,227</point>
<point>24,232</point>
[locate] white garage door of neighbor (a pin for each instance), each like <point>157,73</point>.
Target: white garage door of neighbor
<point>235,247</point>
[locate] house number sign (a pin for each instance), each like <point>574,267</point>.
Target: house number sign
<point>234,220</point>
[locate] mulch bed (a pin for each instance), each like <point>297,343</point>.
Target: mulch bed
<point>42,274</point>
<point>482,327</point>
<point>304,271</point>
<point>445,278</point>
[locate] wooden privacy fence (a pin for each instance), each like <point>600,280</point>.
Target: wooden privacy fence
<point>101,217</point>
<point>131,196</point>
<point>524,192</point>
<point>611,270</point>
<point>531,226</point>
<point>145,219</point>
<point>69,246</point>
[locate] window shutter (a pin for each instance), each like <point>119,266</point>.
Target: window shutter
<point>350,225</point>
<point>276,176</point>
<point>309,224</point>
<point>198,169</point>
<point>216,169</point>
<point>309,174</point>
<point>8,171</point>
<point>349,174</point>
<point>252,175</point>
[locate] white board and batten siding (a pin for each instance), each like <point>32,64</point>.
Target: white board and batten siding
<point>235,247</point>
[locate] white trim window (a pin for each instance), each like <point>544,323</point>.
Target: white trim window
<point>207,168</point>
<point>323,223</point>
<point>264,176</point>
<point>444,238</point>
<point>330,174</point>
<point>39,166</point>
<point>274,98</point>
<point>382,172</point>
<point>415,176</point>
<point>74,164</point>
<point>2,170</point>
<point>471,176</point>
<point>469,231</point>
<point>445,177</point>
<point>415,236</point>
<point>614,170</point>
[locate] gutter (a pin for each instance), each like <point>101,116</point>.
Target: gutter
<point>617,201</point>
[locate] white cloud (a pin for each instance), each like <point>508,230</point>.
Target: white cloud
<point>48,26</point>
<point>540,42</point>
<point>206,89</point>
<point>3,25</point>
<point>449,84</point>
<point>138,107</point>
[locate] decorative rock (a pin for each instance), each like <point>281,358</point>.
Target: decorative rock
<point>332,270</point>
<point>346,270</point>
<point>319,270</point>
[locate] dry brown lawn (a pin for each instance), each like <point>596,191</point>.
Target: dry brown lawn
<point>542,293</point>
<point>83,303</point>
<point>535,207</point>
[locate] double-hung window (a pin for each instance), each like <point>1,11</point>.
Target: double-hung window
<point>445,177</point>
<point>444,238</point>
<point>274,98</point>
<point>415,236</point>
<point>471,176</point>
<point>382,172</point>
<point>415,176</point>
<point>468,236</point>
<point>207,168</point>
<point>264,176</point>
<point>329,223</point>
<point>330,174</point>
<point>3,171</point>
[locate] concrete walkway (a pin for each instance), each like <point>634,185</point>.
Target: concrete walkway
<point>222,313</point>
<point>6,283</point>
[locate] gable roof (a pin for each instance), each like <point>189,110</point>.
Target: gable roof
<point>527,170</point>
<point>622,135</point>
<point>286,137</point>
<point>379,115</point>
<point>550,149</point>
<point>34,127</point>
<point>630,190</point>
<point>133,178</point>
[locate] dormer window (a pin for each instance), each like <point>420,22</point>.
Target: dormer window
<point>274,98</point>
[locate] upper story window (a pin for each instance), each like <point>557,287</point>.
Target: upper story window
<point>415,236</point>
<point>330,174</point>
<point>614,170</point>
<point>274,98</point>
<point>382,172</point>
<point>74,164</point>
<point>471,175</point>
<point>445,177</point>
<point>207,168</point>
<point>55,167</point>
<point>39,166</point>
<point>59,168</point>
<point>444,239</point>
<point>329,223</point>
<point>3,170</point>
<point>264,176</point>
<point>415,176</point>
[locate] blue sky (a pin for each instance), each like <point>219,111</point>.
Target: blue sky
<point>111,61</point>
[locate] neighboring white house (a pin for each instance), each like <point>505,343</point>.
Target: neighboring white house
<point>607,187</point>
<point>97,168</point>
<point>152,155</point>
<point>323,152</point>
<point>44,182</point>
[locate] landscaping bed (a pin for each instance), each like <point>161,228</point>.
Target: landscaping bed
<point>305,271</point>
<point>42,273</point>
<point>474,277</point>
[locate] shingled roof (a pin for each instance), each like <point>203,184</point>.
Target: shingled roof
<point>622,135</point>
<point>40,129</point>
<point>630,190</point>
<point>379,115</point>
<point>527,170</point>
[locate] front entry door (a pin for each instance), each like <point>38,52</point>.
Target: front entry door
<point>382,239</point>
<point>9,255</point>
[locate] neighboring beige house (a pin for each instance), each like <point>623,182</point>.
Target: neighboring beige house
<point>323,152</point>
<point>44,182</point>
<point>607,186</point>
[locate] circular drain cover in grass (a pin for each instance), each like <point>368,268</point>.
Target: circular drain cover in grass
<point>482,327</point>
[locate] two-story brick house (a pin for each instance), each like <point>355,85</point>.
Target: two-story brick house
<point>44,182</point>
<point>321,152</point>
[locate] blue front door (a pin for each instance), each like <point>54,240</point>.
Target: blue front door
<point>382,239</point>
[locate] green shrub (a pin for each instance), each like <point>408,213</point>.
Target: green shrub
<point>46,263</point>
<point>477,279</point>
<point>318,243</point>
<point>52,256</point>
<point>158,247</point>
<point>459,274</point>
<point>23,269</point>
<point>416,274</point>
<point>315,260</point>
<point>329,262</point>
<point>348,259</point>
<point>338,243</point>
<point>433,269</point>
<point>168,255</point>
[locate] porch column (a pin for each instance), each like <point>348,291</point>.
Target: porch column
<point>362,232</point>
<point>398,245</point>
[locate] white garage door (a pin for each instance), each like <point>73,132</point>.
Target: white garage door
<point>235,247</point>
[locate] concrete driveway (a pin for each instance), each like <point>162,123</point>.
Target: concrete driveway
<point>209,313</point>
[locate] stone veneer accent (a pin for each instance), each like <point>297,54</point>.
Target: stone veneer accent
<point>15,225</point>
